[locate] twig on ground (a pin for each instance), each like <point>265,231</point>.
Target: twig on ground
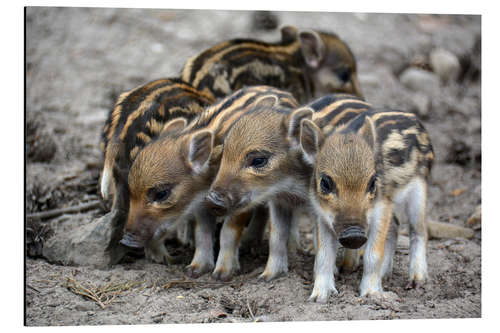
<point>79,289</point>
<point>33,288</point>
<point>67,210</point>
<point>101,295</point>
<point>190,283</point>
<point>250,309</point>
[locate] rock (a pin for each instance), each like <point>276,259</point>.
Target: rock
<point>445,64</point>
<point>264,20</point>
<point>475,220</point>
<point>83,245</point>
<point>447,230</point>
<point>421,104</point>
<point>420,80</point>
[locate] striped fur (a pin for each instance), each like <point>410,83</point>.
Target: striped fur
<point>270,134</point>
<point>169,178</point>
<point>368,167</point>
<point>273,130</point>
<point>221,116</point>
<point>139,116</point>
<point>401,137</point>
<point>306,63</point>
<point>274,134</point>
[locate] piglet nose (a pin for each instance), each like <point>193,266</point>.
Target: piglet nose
<point>218,203</point>
<point>130,240</point>
<point>217,197</point>
<point>353,237</point>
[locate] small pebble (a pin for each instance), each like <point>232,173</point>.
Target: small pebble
<point>420,80</point>
<point>475,219</point>
<point>157,48</point>
<point>445,64</point>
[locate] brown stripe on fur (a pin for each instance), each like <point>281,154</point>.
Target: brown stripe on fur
<point>188,67</point>
<point>154,126</point>
<point>115,118</point>
<point>161,111</point>
<point>146,104</point>
<point>281,56</point>
<point>229,120</point>
<point>387,123</point>
<point>210,111</point>
<point>144,137</point>
<point>324,112</point>
<point>260,68</point>
<point>290,101</point>
<point>340,116</point>
<point>106,128</point>
<point>377,116</point>
<point>204,70</point>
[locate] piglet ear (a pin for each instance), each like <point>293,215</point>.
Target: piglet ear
<point>363,126</point>
<point>293,123</point>
<point>266,102</point>
<point>368,132</point>
<point>311,140</point>
<point>216,155</point>
<point>199,150</point>
<point>288,34</point>
<point>174,125</point>
<point>120,175</point>
<point>313,48</point>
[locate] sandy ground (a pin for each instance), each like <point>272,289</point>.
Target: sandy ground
<point>78,60</point>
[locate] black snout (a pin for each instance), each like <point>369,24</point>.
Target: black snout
<point>218,203</point>
<point>353,237</point>
<point>131,241</point>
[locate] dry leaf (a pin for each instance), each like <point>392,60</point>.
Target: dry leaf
<point>458,191</point>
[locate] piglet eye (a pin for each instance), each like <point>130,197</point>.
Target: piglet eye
<point>159,194</point>
<point>327,185</point>
<point>259,162</point>
<point>162,195</point>
<point>372,184</point>
<point>344,74</point>
<point>257,159</point>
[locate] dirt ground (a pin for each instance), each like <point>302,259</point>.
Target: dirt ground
<point>78,60</point>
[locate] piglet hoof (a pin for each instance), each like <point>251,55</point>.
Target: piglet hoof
<point>195,271</point>
<point>415,284</point>
<point>222,275</point>
<point>321,295</point>
<point>267,276</point>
